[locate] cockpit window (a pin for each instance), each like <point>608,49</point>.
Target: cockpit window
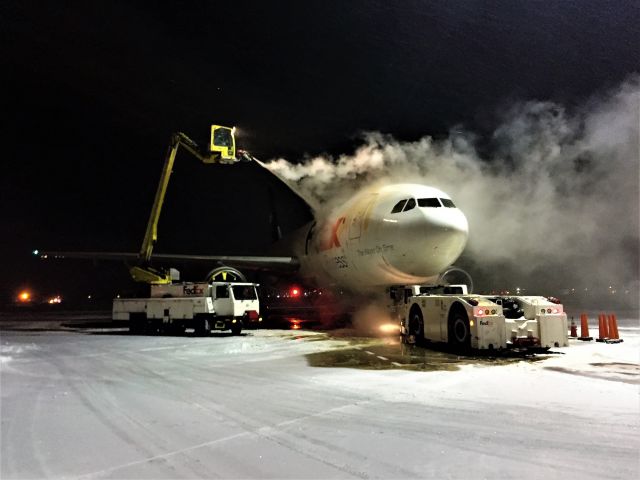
<point>447,203</point>
<point>428,202</point>
<point>411,203</point>
<point>399,205</point>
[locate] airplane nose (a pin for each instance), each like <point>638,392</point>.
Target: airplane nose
<point>435,238</point>
<point>447,231</point>
<point>449,222</point>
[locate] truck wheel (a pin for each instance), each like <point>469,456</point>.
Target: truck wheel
<point>153,327</point>
<point>236,329</point>
<point>203,326</point>
<point>137,323</point>
<point>459,330</point>
<point>416,323</point>
<point>176,328</point>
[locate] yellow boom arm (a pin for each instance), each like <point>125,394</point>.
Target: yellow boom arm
<point>222,149</point>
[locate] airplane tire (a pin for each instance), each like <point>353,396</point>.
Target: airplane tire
<point>236,329</point>
<point>459,330</point>
<point>416,323</point>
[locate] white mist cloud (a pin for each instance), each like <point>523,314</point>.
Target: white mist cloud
<point>559,185</point>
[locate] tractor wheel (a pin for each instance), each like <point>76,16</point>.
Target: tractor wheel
<point>459,330</point>
<point>416,324</point>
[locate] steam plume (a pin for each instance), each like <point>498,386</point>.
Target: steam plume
<point>559,188</point>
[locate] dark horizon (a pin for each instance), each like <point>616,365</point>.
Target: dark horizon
<point>94,90</point>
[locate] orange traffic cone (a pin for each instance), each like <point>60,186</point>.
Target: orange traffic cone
<point>615,326</point>
<point>614,336</point>
<point>612,331</point>
<point>584,328</point>
<point>603,333</point>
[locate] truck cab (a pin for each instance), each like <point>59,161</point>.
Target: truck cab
<point>236,300</point>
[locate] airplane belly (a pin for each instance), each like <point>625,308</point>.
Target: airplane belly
<point>367,264</point>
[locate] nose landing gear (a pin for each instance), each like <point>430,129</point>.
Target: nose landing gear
<point>455,276</point>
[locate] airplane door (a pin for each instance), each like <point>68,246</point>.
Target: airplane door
<point>360,219</point>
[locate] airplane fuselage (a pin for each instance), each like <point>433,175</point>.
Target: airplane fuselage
<point>390,235</point>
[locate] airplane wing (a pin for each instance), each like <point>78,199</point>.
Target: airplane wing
<point>250,262</point>
<point>281,264</point>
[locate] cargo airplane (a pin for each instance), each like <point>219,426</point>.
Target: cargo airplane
<point>384,235</point>
<point>395,234</point>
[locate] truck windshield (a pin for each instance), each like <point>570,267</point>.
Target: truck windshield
<point>222,291</point>
<point>244,292</point>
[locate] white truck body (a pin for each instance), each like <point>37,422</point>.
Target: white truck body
<point>202,306</point>
<point>480,322</point>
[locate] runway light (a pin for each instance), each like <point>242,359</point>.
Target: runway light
<point>36,252</point>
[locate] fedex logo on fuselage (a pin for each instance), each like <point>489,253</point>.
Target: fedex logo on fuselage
<point>332,236</point>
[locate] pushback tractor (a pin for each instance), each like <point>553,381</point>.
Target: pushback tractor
<point>450,315</point>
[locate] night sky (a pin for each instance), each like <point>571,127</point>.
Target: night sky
<point>91,92</point>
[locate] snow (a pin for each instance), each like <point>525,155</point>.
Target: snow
<point>99,404</point>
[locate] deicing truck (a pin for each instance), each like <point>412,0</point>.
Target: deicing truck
<point>204,306</point>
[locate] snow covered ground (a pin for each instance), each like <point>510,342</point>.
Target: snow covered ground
<point>85,403</point>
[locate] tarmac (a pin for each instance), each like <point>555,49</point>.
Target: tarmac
<point>82,398</point>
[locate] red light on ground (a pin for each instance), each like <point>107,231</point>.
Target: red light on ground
<point>294,292</point>
<point>295,323</point>
<point>24,296</point>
